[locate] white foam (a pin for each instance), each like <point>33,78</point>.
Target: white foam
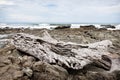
<point>75,25</point>
<point>118,27</point>
<point>48,26</point>
<point>3,36</point>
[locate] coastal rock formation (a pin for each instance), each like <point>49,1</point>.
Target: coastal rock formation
<point>67,55</point>
<point>10,68</point>
<point>88,27</point>
<point>62,27</point>
<point>108,26</point>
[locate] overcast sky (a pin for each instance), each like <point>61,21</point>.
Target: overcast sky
<point>67,11</point>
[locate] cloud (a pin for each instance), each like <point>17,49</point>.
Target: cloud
<point>95,11</point>
<point>108,9</point>
<point>51,5</point>
<point>6,2</point>
<point>21,17</point>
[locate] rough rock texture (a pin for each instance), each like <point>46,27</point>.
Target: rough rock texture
<point>9,64</point>
<point>14,65</point>
<point>70,55</point>
<point>45,71</point>
<point>17,65</point>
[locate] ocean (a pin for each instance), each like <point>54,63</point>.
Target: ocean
<point>52,26</point>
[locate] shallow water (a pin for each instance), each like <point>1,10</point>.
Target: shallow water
<point>3,36</point>
<point>3,40</point>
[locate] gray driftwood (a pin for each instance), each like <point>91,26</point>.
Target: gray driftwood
<point>70,55</point>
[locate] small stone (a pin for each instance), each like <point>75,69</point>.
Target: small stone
<point>28,71</point>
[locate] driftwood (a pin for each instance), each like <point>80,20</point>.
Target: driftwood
<point>70,55</point>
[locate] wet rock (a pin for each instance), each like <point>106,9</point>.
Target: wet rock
<point>108,26</point>
<point>88,27</point>
<point>62,27</point>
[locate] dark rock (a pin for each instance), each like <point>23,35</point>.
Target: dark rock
<point>62,27</point>
<point>105,63</point>
<point>88,27</point>
<point>102,29</point>
<point>117,74</point>
<point>108,26</point>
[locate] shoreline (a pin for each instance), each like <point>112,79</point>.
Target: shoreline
<point>53,26</point>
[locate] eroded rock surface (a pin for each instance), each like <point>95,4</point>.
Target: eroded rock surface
<point>70,55</point>
<point>19,65</point>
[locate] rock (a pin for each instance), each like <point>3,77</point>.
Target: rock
<point>27,61</point>
<point>102,64</point>
<point>99,76</point>
<point>28,71</point>
<point>62,27</point>
<point>10,72</point>
<point>108,26</point>
<point>10,68</point>
<point>117,74</point>
<point>18,65</point>
<point>45,71</point>
<point>115,59</point>
<point>17,74</point>
<point>102,29</point>
<point>67,55</point>
<point>88,27</point>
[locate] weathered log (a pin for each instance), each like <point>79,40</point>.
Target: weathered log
<point>70,55</point>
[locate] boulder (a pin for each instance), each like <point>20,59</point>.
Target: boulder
<point>45,71</point>
<point>108,26</point>
<point>88,27</point>
<point>62,27</point>
<point>67,55</point>
<point>10,68</point>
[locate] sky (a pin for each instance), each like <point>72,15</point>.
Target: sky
<point>60,11</point>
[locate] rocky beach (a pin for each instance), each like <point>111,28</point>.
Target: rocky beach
<point>59,54</point>
<point>59,39</point>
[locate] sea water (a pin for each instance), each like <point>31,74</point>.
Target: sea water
<point>52,26</point>
<point>3,40</point>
